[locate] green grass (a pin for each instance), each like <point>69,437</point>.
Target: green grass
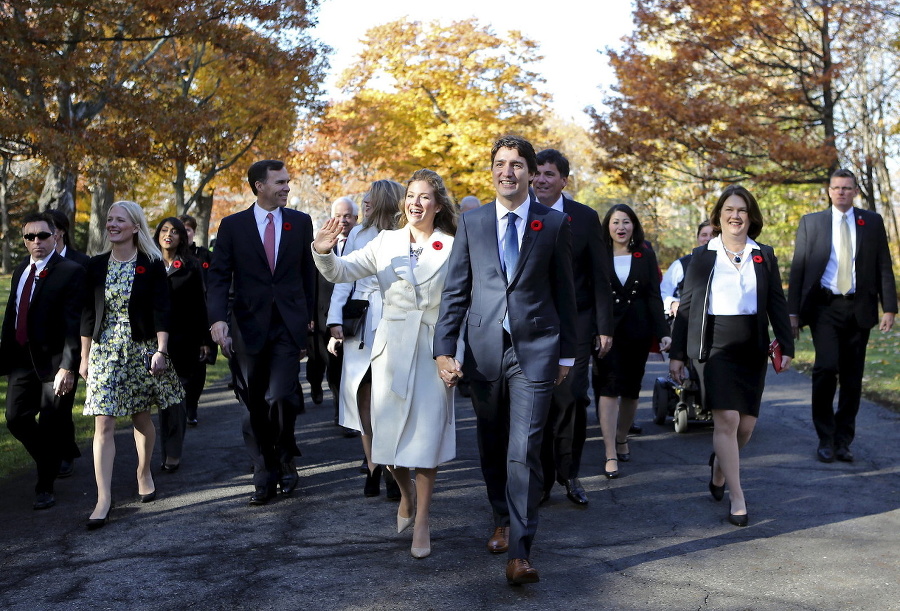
<point>14,458</point>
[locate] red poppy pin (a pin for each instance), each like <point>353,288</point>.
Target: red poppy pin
<point>570,218</point>
<point>437,246</point>
<point>286,226</point>
<point>637,254</point>
<point>537,225</point>
<point>205,265</point>
<point>43,273</point>
<point>140,269</point>
<point>757,259</point>
<point>860,222</point>
<point>176,264</point>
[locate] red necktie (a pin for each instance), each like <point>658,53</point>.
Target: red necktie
<point>269,241</point>
<point>24,303</point>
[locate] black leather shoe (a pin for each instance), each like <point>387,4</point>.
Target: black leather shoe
<point>66,467</point>
<point>843,454</point>
<point>317,396</point>
<point>742,520</point>
<point>147,498</point>
<point>373,482</point>
<point>624,456</point>
<point>545,496</point>
<point>635,429</point>
<point>349,433</point>
<point>717,492</point>
<point>170,468</point>
<point>611,474</point>
<point>575,492</point>
<point>289,478</point>
<point>262,495</point>
<point>391,487</point>
<point>825,454</point>
<point>95,523</point>
<point>44,500</point>
<point>192,422</point>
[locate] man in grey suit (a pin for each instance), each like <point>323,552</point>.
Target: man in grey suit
<point>840,272</point>
<point>511,271</point>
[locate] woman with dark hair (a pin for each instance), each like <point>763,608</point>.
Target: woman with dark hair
<point>380,212</point>
<point>189,338</point>
<point>731,292</point>
<point>124,348</point>
<point>412,409</point>
<point>638,319</point>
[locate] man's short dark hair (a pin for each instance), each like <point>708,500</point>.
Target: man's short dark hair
<point>556,158</point>
<point>61,220</point>
<point>259,171</point>
<point>521,145</point>
<point>39,217</point>
<point>843,173</point>
<point>188,221</point>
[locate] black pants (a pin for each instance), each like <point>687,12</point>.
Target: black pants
<point>840,345</point>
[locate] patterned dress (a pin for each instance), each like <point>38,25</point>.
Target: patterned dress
<point>118,383</point>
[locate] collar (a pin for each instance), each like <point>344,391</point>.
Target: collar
<point>559,204</point>
<point>521,211</point>
<point>837,214</point>
<point>40,264</point>
<point>260,214</point>
<point>716,244</point>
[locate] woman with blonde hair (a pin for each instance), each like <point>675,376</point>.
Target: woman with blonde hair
<point>124,345</point>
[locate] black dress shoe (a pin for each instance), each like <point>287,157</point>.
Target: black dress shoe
<point>349,433</point>
<point>289,478</point>
<point>373,482</point>
<point>317,396</point>
<point>635,429</point>
<point>825,454</point>
<point>545,496</point>
<point>625,456</point>
<point>391,487</point>
<point>44,500</point>
<point>170,468</point>
<point>717,492</point>
<point>844,454</point>
<point>95,523</point>
<point>66,467</point>
<point>262,495</point>
<point>575,492</point>
<point>192,422</point>
<point>737,520</point>
<point>146,498</point>
<point>611,474</point>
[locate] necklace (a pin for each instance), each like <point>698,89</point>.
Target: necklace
<point>415,252</point>
<point>128,260</point>
<point>736,256</point>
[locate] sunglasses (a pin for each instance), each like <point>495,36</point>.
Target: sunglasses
<point>31,237</point>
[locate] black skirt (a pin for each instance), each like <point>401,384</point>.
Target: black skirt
<point>734,375</point>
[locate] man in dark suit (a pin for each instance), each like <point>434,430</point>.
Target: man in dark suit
<point>840,273</point>
<point>40,350</point>
<point>64,247</point>
<point>566,429</point>
<point>511,271</point>
<point>264,253</point>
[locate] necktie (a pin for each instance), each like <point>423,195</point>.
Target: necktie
<point>510,255</point>
<point>845,259</point>
<point>269,240</point>
<point>24,304</point>
<point>342,242</point>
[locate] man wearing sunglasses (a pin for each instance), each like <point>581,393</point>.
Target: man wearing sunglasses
<point>40,349</point>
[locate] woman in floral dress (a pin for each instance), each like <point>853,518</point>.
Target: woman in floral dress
<point>124,332</point>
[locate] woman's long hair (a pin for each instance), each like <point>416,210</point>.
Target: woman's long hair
<point>182,251</point>
<point>383,197</point>
<point>447,217</point>
<point>142,239</point>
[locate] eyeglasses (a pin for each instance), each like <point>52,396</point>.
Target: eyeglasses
<point>842,189</point>
<point>31,237</point>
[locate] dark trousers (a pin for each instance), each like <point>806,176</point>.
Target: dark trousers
<point>840,345</point>
<point>267,385</point>
<point>322,365</point>
<point>172,424</point>
<point>41,421</point>
<point>193,388</point>
<point>511,413</point>
<point>566,429</point>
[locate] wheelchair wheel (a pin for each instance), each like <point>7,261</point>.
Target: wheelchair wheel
<point>681,418</point>
<point>660,401</point>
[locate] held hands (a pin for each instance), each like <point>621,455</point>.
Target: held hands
<point>449,369</point>
<point>64,382</point>
<point>327,236</point>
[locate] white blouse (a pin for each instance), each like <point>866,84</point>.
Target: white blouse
<point>623,267</point>
<point>733,289</point>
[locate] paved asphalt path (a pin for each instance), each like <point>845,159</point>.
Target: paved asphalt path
<point>820,536</point>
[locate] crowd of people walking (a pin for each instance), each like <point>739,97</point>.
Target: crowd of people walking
<point>516,298</point>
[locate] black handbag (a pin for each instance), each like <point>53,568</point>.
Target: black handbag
<point>354,316</point>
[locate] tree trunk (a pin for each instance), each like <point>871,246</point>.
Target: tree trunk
<point>59,190</point>
<point>178,186</point>
<point>6,262</point>
<point>203,213</point>
<point>102,197</point>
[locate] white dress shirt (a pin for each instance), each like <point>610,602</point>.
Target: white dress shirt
<point>260,216</point>
<point>39,265</point>
<point>733,289</point>
<point>829,278</point>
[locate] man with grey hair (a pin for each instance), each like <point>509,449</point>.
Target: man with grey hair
<point>469,202</point>
<point>320,363</point>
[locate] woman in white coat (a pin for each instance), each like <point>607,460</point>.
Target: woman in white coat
<point>412,409</point>
<point>379,214</point>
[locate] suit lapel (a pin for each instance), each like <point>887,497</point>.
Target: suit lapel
<point>399,250</point>
<point>252,233</point>
<point>39,280</point>
<point>489,234</point>
<point>432,258</point>
<point>529,237</point>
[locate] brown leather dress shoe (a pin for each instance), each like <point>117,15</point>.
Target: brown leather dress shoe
<point>499,541</point>
<point>519,571</point>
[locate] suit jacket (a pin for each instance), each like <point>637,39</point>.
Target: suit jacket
<point>53,315</point>
<point>240,259</point>
<point>188,325</point>
<point>589,267</point>
<point>874,276</point>
<point>148,306</point>
<point>540,297</point>
<point>79,257</point>
<point>638,303</point>
<point>689,337</point>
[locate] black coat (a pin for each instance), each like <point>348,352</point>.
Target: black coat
<point>188,324</point>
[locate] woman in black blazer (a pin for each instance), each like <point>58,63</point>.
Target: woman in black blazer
<point>124,345</point>
<point>731,292</point>
<point>638,318</point>
<point>189,339</point>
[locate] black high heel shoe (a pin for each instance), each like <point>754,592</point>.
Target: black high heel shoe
<point>626,456</point>
<point>373,482</point>
<point>611,474</point>
<point>738,520</point>
<point>717,492</point>
<point>95,523</point>
<point>147,498</point>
